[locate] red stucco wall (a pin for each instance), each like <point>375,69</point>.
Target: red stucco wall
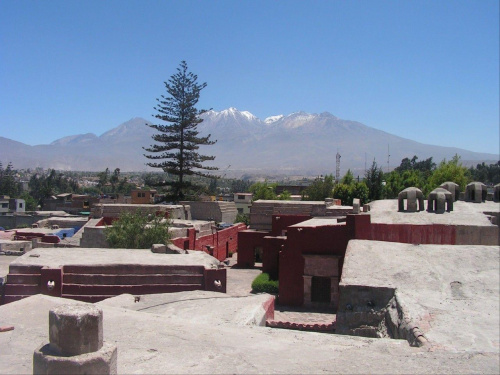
<point>270,255</point>
<point>280,223</point>
<point>247,241</point>
<point>223,241</point>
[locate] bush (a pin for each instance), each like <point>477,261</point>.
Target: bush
<point>263,284</point>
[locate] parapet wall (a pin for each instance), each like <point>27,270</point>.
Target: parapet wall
<point>114,210</point>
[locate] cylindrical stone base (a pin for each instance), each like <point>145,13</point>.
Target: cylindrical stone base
<point>103,361</point>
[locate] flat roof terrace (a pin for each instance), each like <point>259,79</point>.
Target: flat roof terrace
<point>58,257</point>
<point>450,292</point>
<point>464,213</point>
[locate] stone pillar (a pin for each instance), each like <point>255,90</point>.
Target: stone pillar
<point>355,206</point>
<point>76,343</point>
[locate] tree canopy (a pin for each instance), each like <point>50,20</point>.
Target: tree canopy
<point>320,189</point>
<point>137,231</point>
<point>176,150</point>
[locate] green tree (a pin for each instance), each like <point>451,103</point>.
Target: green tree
<point>348,178</point>
<point>285,196</point>
<point>8,184</point>
<point>178,141</point>
<point>320,189</point>
<point>373,180</point>
<point>343,192</point>
<point>452,170</point>
<point>360,191</point>
<point>347,192</point>
<point>263,190</point>
<point>138,231</point>
<point>488,174</point>
<point>31,203</point>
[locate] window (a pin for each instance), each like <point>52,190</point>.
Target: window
<point>20,205</point>
<point>320,289</point>
<point>240,210</point>
<point>5,205</point>
<point>241,197</point>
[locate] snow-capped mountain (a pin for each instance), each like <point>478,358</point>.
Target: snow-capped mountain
<point>272,119</point>
<point>299,143</point>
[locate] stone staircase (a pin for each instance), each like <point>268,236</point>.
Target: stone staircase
<point>22,282</point>
<point>95,283</point>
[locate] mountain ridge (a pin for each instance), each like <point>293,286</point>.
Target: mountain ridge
<point>299,143</point>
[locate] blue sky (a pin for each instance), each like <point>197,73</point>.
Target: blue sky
<point>425,70</point>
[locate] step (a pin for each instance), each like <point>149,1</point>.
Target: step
<point>21,289</point>
<point>23,279</point>
<point>114,290</point>
<point>133,269</point>
<point>106,279</point>
<point>24,270</point>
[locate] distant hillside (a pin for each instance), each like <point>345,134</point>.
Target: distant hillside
<point>300,143</point>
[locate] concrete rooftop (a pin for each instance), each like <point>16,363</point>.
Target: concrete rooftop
<point>57,257</point>
<point>450,292</point>
<point>150,343</point>
<point>464,213</point>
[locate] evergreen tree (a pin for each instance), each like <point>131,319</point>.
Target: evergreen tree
<point>178,141</point>
<point>373,180</point>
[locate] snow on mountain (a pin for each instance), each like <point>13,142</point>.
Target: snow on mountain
<point>232,113</point>
<point>271,119</point>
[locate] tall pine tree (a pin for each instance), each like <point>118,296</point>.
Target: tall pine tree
<point>177,141</point>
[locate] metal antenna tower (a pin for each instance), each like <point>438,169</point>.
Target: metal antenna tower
<point>337,169</point>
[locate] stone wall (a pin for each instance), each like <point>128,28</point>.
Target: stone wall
<point>375,312</point>
<point>220,212</point>
<point>262,211</point>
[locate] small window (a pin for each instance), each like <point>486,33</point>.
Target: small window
<point>20,205</point>
<point>241,197</point>
<point>240,210</point>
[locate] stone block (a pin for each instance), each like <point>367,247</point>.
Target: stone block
<point>75,329</point>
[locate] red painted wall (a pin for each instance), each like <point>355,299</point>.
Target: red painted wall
<point>270,255</point>
<point>247,241</point>
<point>223,241</point>
<point>324,240</point>
<point>282,222</point>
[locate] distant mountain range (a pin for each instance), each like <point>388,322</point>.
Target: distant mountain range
<point>297,144</point>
